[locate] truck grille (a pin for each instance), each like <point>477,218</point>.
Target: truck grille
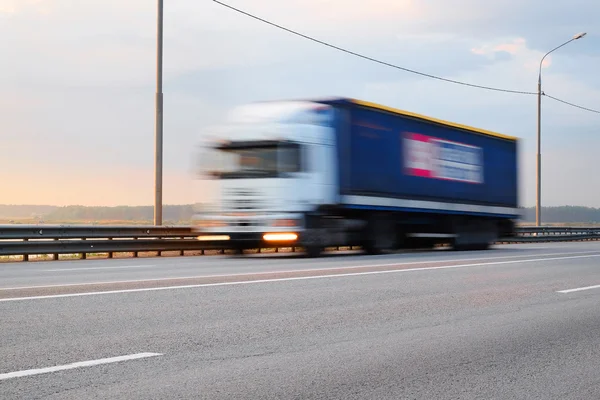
<point>243,200</point>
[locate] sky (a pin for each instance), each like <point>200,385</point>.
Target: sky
<point>79,79</point>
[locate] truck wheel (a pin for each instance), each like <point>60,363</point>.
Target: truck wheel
<point>313,251</point>
<point>313,238</point>
<point>380,236</point>
<point>481,246</point>
<point>478,235</point>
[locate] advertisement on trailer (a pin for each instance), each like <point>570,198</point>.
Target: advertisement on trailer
<point>435,158</point>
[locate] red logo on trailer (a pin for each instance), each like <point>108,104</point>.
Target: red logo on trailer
<point>419,155</point>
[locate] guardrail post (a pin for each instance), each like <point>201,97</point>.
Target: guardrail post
<point>26,256</point>
<point>110,253</point>
<point>55,256</point>
<point>84,254</point>
<point>182,252</point>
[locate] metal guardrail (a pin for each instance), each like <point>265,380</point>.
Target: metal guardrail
<point>91,231</point>
<point>565,230</point>
<point>29,240</point>
<point>26,240</point>
<point>553,234</point>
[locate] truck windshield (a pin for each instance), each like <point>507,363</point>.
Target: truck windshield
<point>253,160</point>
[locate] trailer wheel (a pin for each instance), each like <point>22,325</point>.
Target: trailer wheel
<point>475,235</point>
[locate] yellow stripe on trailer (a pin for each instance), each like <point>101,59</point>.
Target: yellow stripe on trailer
<point>430,119</point>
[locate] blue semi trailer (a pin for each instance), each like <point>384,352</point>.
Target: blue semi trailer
<point>339,172</point>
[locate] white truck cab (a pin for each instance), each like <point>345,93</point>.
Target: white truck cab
<point>274,164</point>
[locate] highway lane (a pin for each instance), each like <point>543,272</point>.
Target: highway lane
<point>87,271</point>
<point>480,331</point>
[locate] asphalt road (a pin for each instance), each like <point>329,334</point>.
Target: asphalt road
<point>429,325</point>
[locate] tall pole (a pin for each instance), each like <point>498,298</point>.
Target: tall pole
<point>158,150</point>
<point>538,198</point>
<point>538,201</point>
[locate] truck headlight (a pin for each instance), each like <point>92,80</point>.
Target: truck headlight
<point>213,238</point>
<point>280,237</point>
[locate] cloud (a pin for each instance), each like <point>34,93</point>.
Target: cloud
<point>514,47</point>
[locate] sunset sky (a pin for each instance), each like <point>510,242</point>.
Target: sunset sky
<point>78,83</point>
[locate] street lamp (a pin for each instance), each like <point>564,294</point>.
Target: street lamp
<point>538,207</point>
<point>158,149</point>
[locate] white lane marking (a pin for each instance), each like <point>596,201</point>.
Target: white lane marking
<point>29,372</point>
<point>535,248</point>
<point>579,289</point>
<point>300,278</point>
<point>295,270</point>
<point>93,268</point>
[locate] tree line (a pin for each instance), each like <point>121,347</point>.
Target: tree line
<point>183,213</point>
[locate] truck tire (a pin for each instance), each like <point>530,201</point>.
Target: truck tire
<point>475,235</point>
<point>380,235</point>
<point>313,251</point>
<point>313,238</point>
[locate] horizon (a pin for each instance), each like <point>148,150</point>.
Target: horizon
<point>194,204</point>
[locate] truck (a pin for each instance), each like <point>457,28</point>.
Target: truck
<point>320,173</point>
